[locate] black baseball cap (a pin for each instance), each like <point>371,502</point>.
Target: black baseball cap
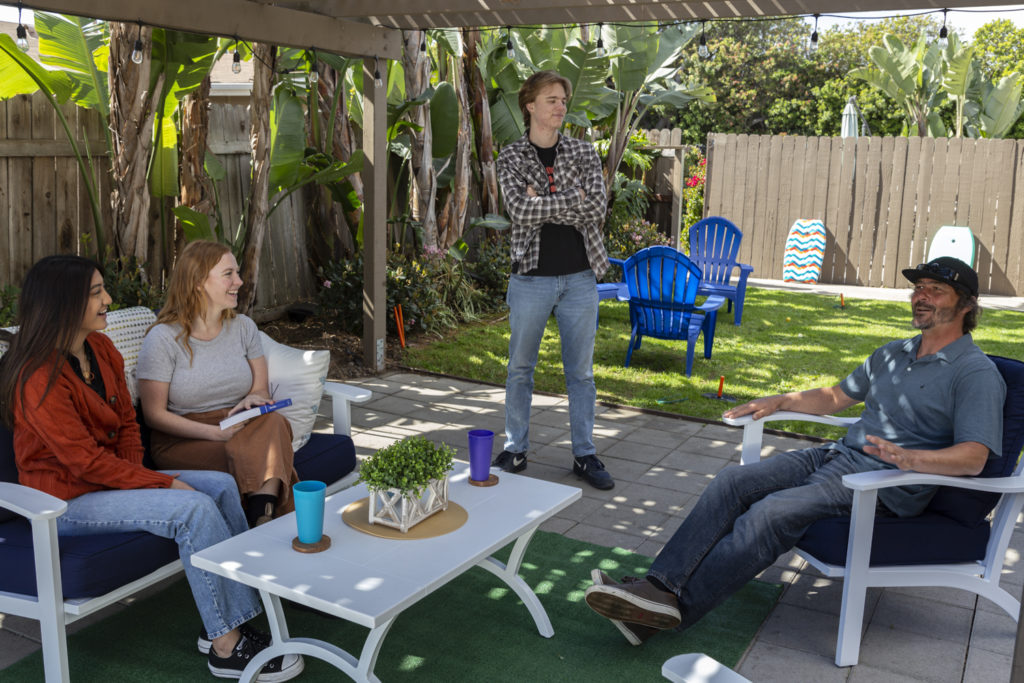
<point>946,269</point>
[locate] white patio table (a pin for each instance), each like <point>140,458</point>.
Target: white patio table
<point>369,580</point>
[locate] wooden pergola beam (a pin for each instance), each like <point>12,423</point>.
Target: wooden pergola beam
<point>469,13</point>
<point>260,21</point>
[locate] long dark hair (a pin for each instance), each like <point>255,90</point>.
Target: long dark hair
<point>52,304</point>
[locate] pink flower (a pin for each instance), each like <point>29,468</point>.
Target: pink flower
<point>327,284</point>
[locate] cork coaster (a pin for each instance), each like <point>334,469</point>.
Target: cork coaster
<point>357,516</point>
<point>323,544</point>
<point>489,481</point>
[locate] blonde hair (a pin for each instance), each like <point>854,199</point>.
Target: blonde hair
<point>531,88</point>
<point>185,295</point>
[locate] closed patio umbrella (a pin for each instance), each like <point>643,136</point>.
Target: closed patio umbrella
<point>851,119</point>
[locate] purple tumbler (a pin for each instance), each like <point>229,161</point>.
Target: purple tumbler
<point>481,443</point>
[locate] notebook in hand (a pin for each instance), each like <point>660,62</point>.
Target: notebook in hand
<point>254,412</point>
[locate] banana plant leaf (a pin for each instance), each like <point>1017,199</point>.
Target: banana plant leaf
<point>506,119</point>
<point>1001,106</point>
<point>287,139</point>
<point>80,48</point>
<point>22,75</point>
<point>184,60</point>
<point>444,121</point>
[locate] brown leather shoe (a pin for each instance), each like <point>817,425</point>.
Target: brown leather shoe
<point>637,601</point>
<point>636,634</point>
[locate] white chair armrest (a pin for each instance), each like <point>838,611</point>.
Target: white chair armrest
<point>342,396</point>
<point>753,430</point>
<point>29,502</point>
<point>880,479</point>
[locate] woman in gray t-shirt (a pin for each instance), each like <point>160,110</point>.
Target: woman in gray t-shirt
<point>200,363</point>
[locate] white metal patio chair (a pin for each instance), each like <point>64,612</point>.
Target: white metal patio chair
<point>955,543</point>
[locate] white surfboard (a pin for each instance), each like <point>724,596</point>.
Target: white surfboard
<point>953,240</point>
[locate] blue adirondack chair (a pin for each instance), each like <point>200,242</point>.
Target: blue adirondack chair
<point>714,244</point>
<point>662,284</point>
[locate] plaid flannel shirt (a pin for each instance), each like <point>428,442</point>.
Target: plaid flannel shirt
<point>576,166</point>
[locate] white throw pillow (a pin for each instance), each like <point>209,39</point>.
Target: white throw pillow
<point>298,374</point>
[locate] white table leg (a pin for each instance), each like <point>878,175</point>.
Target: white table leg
<point>509,573</point>
<point>360,670</point>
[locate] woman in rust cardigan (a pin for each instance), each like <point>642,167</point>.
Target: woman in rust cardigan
<point>64,395</point>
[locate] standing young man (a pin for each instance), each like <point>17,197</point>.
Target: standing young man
<point>554,193</point>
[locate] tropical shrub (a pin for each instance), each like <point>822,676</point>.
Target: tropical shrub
<point>626,239</point>
<point>433,290</point>
<point>128,285</point>
<point>693,193</point>
<point>8,305</point>
<point>492,266</point>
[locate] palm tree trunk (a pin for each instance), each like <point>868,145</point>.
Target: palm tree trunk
<point>417,79</point>
<point>463,156</point>
<point>131,122</point>
<point>264,59</point>
<point>481,113</point>
<point>196,192</point>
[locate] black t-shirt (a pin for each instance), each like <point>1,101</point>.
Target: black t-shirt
<point>562,251</point>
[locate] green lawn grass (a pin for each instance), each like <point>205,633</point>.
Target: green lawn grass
<point>788,341</point>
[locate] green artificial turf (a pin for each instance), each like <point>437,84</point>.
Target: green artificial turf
<point>473,629</point>
<point>789,341</point>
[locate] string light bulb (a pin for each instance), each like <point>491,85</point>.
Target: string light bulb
<point>236,61</point>
<point>812,46</point>
<point>944,32</point>
<point>137,50</point>
<point>600,40</point>
<point>21,33</point>
<point>378,82</point>
<point>423,43</point>
<point>702,47</point>
<point>510,49</point>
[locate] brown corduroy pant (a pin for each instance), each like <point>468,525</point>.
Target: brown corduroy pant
<point>259,452</point>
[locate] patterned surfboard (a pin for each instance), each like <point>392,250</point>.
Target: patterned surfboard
<point>805,249</point>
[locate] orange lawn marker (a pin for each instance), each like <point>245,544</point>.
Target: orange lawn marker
<point>719,396</point>
<point>400,324</point>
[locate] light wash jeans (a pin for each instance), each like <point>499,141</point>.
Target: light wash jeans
<point>747,517</point>
<point>531,301</point>
<point>194,519</point>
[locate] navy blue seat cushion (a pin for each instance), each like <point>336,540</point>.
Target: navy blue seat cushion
<point>97,564</point>
<point>926,539</point>
<point>326,457</point>
<point>8,470</point>
<point>953,528</point>
<point>970,507</point>
<point>89,565</point>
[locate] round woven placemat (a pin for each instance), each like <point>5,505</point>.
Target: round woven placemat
<point>357,516</point>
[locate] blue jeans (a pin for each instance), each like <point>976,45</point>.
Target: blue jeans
<point>747,517</point>
<point>194,519</point>
<point>531,301</point>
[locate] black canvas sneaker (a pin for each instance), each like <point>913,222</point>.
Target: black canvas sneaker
<point>261,638</point>
<point>636,634</point>
<point>283,668</point>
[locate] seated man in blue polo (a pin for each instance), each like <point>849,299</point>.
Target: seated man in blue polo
<point>932,403</point>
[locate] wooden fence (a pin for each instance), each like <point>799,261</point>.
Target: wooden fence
<point>44,207</point>
<point>880,199</point>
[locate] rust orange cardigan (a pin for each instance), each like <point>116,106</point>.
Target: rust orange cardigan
<point>76,442</point>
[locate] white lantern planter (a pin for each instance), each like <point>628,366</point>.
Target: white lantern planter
<point>390,508</point>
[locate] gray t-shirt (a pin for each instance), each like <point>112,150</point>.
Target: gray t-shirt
<point>219,375</point>
<point>949,397</point>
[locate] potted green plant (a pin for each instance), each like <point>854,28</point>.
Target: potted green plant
<point>407,481</point>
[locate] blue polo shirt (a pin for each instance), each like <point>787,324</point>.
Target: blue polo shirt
<point>948,397</point>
